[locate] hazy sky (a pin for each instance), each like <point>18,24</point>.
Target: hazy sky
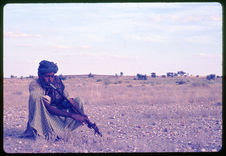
<point>109,38</point>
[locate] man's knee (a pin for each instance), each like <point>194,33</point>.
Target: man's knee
<point>36,94</point>
<point>80,102</point>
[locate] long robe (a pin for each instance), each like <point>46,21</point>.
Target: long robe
<point>41,122</point>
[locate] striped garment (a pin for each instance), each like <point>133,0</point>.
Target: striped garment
<point>41,122</point>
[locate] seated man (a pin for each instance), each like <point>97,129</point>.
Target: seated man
<point>49,113</point>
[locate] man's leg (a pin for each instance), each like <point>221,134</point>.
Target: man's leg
<point>77,105</point>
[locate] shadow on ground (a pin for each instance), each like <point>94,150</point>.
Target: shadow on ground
<point>15,133</point>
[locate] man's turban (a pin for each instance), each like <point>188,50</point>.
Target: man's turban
<point>47,67</point>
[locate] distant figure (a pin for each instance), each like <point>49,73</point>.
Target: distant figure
<point>49,113</point>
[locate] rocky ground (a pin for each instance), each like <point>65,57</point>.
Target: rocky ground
<point>133,116</point>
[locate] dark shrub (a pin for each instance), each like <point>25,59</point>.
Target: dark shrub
<point>141,77</point>
<point>17,93</point>
<point>153,75</point>
<point>181,73</point>
<point>31,77</point>
<point>62,77</point>
<point>90,75</point>
<point>107,81</point>
<point>180,82</point>
<point>99,80</point>
<point>12,76</point>
<point>210,77</point>
<point>199,84</point>
<point>169,74</point>
<point>118,82</point>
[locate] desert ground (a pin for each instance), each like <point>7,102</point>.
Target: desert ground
<point>153,115</point>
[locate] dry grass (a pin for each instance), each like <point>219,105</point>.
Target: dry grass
<point>154,115</point>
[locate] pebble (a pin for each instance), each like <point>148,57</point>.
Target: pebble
<point>110,123</point>
<point>18,125</point>
<point>203,150</point>
<point>45,146</point>
<point>219,104</point>
<point>214,150</point>
<point>176,149</point>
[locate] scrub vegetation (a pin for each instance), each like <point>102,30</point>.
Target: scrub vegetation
<point>160,114</point>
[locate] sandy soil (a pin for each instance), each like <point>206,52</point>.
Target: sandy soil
<point>154,115</point>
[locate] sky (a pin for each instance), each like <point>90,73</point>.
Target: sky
<point>109,38</point>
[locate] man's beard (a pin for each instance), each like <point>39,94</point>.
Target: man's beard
<point>45,85</point>
<point>55,96</point>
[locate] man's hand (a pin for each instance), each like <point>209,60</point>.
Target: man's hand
<point>79,117</point>
<point>46,98</point>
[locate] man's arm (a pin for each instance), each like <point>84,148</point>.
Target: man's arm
<point>55,111</point>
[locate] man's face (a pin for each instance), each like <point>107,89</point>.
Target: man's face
<point>48,77</point>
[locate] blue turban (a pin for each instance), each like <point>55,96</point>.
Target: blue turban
<point>47,67</point>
